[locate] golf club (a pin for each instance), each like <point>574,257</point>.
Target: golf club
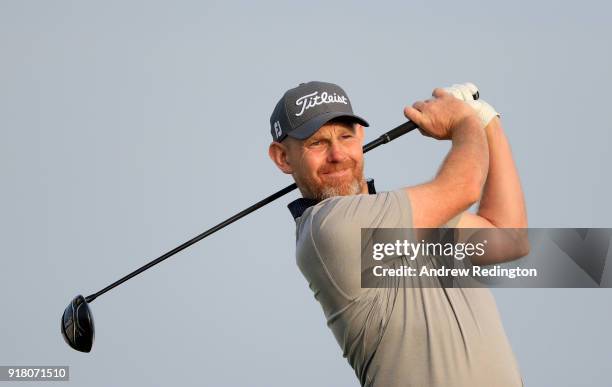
<point>77,323</point>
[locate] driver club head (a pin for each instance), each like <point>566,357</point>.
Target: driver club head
<point>78,325</point>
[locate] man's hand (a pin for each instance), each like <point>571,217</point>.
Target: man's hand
<point>440,116</point>
<point>465,92</point>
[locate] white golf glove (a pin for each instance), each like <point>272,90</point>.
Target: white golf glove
<point>465,93</point>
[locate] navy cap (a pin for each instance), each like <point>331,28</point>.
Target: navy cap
<point>304,109</point>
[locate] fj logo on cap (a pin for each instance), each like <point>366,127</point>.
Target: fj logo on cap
<point>314,99</point>
<point>277,129</point>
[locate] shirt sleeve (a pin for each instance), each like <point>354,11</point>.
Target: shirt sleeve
<point>453,222</point>
<point>383,210</point>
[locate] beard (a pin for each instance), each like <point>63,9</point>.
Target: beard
<point>329,191</point>
<point>329,187</point>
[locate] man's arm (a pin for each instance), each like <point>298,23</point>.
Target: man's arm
<point>502,207</point>
<point>459,181</point>
<point>502,204</point>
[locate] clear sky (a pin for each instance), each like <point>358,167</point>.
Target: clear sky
<point>129,127</point>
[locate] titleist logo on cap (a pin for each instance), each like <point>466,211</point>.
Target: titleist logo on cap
<point>314,99</point>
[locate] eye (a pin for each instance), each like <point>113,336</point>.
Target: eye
<point>347,135</point>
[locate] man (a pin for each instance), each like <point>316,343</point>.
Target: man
<point>400,336</point>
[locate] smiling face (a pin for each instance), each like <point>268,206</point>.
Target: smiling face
<point>328,163</point>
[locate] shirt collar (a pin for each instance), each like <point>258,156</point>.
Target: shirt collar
<point>298,206</point>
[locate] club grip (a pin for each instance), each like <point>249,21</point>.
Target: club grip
<point>405,128</point>
<point>398,131</point>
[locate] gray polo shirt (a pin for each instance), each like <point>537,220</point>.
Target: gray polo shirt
<point>398,336</point>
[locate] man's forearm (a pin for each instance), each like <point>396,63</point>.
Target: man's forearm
<point>502,201</point>
<point>458,183</point>
<point>467,163</point>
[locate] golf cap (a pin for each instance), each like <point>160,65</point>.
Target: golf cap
<point>304,109</point>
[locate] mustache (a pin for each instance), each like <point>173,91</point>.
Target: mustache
<point>337,167</point>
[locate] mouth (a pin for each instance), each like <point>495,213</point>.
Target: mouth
<point>337,174</point>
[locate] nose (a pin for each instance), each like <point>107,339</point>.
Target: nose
<point>336,152</point>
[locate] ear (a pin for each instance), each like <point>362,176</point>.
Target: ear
<point>279,155</point>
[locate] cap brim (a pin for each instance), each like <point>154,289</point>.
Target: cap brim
<point>309,128</point>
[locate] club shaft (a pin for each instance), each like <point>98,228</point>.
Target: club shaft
<point>383,139</point>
